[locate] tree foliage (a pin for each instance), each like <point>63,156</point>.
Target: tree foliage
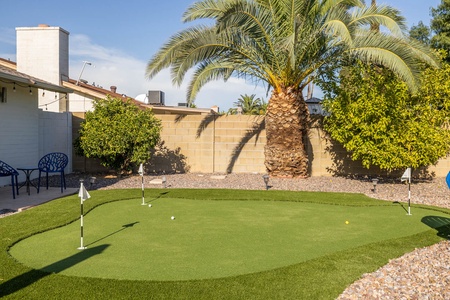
<point>249,105</point>
<point>421,32</point>
<point>376,118</point>
<point>118,133</point>
<point>440,25</point>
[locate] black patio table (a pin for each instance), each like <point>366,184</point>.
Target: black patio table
<point>28,171</point>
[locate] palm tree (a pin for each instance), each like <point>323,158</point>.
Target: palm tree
<point>249,104</point>
<point>284,44</point>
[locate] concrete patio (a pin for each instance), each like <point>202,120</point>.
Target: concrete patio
<point>24,201</point>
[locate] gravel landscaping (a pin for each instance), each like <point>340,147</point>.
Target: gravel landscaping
<point>421,274</point>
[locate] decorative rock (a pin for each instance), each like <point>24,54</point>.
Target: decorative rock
<point>218,177</point>
<point>156,181</point>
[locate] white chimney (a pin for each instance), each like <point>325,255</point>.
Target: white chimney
<point>43,52</point>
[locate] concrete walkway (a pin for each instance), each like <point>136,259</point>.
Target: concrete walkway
<point>24,201</point>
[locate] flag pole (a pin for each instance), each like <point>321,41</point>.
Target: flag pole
<point>141,172</point>
<point>81,229</point>
<point>83,194</point>
<point>407,176</point>
<point>409,196</point>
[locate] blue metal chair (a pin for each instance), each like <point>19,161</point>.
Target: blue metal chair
<point>54,162</point>
<point>7,170</point>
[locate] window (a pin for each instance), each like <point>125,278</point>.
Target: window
<point>3,95</point>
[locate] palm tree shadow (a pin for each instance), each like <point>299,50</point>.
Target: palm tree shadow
<point>113,233</point>
<point>441,224</point>
<point>28,278</point>
<point>255,131</point>
<point>205,123</point>
<point>179,118</point>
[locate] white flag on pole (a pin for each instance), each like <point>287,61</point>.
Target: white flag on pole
<point>141,170</point>
<point>83,193</point>
<point>407,175</point>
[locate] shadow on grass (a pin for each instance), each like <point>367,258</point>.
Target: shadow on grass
<point>113,233</point>
<point>441,224</point>
<point>402,205</point>
<point>26,279</point>
<point>158,197</point>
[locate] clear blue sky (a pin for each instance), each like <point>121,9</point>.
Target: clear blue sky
<point>120,37</point>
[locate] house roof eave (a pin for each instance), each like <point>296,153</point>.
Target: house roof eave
<point>33,82</point>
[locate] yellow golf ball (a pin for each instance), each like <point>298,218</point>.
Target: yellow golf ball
<point>346,222</point>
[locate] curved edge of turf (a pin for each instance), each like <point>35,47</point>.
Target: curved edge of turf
<point>322,278</point>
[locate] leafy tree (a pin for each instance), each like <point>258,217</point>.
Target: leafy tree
<point>118,133</point>
<point>421,32</point>
<point>285,43</point>
<point>440,25</point>
<point>375,117</point>
<point>249,105</point>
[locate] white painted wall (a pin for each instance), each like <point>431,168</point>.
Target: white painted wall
<point>27,133</point>
<point>55,134</point>
<point>19,131</point>
<point>80,103</point>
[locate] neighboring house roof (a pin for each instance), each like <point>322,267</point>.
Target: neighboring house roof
<point>313,100</point>
<point>8,63</point>
<point>12,76</point>
<point>179,110</point>
<point>95,91</point>
<point>98,92</point>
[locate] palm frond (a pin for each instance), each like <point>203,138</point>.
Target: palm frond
<point>386,16</point>
<point>284,42</point>
<point>399,55</point>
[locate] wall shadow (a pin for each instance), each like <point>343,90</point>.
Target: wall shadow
<point>179,118</point>
<point>254,132</point>
<point>26,279</point>
<point>441,224</point>
<point>205,123</point>
<point>165,160</point>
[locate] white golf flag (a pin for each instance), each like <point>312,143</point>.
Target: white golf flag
<point>407,175</point>
<point>83,193</point>
<point>141,170</point>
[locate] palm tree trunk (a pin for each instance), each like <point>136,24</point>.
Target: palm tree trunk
<point>286,122</point>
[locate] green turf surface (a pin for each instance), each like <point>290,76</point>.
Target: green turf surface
<point>381,229</point>
<point>211,239</point>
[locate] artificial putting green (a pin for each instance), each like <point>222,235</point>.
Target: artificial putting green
<point>214,238</point>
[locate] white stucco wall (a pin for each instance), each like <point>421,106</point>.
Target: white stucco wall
<point>19,131</point>
<point>27,133</point>
<point>55,134</point>
<point>80,102</point>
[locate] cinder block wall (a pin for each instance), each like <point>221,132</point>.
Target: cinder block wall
<point>217,144</point>
<point>235,144</point>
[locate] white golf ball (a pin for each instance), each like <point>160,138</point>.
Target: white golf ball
<point>149,205</point>
<point>173,218</point>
